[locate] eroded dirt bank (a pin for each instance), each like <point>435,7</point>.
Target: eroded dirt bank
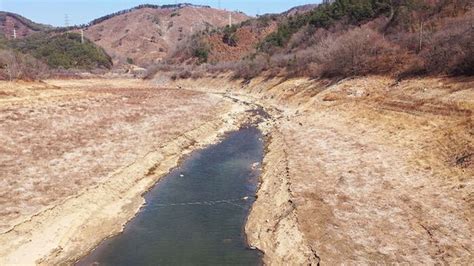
<point>78,155</point>
<point>366,170</point>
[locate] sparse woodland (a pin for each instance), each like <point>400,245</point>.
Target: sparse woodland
<point>348,38</point>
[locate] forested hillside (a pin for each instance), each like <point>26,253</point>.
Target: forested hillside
<point>32,57</point>
<point>347,38</point>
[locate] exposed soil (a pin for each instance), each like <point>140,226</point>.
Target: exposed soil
<point>247,38</point>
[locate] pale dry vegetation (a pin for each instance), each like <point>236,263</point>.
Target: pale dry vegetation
<point>57,141</point>
<point>450,49</point>
<point>18,66</point>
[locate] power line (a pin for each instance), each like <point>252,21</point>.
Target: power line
<point>233,202</point>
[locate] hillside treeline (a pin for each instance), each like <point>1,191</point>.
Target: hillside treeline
<point>35,56</point>
<point>354,38</point>
<point>125,11</point>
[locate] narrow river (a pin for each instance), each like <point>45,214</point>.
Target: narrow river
<point>196,214</point>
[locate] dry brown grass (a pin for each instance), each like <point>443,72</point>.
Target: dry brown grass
<point>381,183</point>
<point>56,141</point>
<point>378,171</point>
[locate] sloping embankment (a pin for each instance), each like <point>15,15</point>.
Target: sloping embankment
<point>366,170</point>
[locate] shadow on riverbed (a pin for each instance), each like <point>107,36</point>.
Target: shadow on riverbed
<point>196,214</point>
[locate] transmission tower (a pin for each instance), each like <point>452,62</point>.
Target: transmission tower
<point>66,20</point>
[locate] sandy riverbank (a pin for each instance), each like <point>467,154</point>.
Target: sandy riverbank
<point>362,171</point>
<point>86,152</point>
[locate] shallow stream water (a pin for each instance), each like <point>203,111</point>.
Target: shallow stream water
<point>196,214</point>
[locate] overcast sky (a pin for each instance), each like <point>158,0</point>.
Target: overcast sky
<point>82,11</point>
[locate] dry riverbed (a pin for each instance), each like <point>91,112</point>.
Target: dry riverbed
<point>363,171</point>
<point>360,171</point>
<point>77,155</point>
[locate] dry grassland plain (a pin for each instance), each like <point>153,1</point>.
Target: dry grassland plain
<point>75,151</point>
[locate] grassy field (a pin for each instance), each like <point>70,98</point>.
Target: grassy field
<point>56,141</point>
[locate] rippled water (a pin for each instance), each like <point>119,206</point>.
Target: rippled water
<point>196,214</point>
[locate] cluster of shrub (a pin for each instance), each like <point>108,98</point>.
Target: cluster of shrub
<point>64,51</point>
<point>197,46</point>
<point>15,65</point>
<point>361,37</point>
<point>229,36</point>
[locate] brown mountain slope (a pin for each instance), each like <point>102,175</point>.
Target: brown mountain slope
<point>147,35</point>
<point>300,9</point>
<point>24,27</point>
<point>246,39</point>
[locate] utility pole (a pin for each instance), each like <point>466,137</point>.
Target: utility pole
<point>421,36</point>
<point>14,33</point>
<point>82,36</point>
<point>230,19</point>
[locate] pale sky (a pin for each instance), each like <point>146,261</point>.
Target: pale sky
<point>82,11</point>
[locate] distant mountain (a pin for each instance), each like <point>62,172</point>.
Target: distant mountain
<point>23,26</point>
<point>300,9</point>
<point>146,34</point>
